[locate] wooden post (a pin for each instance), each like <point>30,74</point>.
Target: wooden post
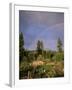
<point>29,75</point>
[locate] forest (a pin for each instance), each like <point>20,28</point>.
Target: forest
<point>40,63</point>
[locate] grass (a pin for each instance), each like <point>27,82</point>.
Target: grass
<point>41,69</point>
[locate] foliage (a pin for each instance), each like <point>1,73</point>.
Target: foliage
<point>59,69</point>
<point>46,71</point>
<point>59,56</point>
<point>42,71</point>
<point>59,45</point>
<point>39,47</point>
<point>21,48</point>
<point>24,68</point>
<point>40,57</point>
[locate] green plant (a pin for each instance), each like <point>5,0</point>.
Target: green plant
<point>58,57</point>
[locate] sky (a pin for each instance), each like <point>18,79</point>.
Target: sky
<point>41,25</point>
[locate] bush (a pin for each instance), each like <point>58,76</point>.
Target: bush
<point>39,72</point>
<point>31,57</point>
<point>58,57</point>
<point>44,71</point>
<point>40,57</point>
<point>24,68</point>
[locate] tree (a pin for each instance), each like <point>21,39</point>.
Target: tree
<point>59,45</point>
<point>42,47</point>
<point>21,46</point>
<point>39,47</point>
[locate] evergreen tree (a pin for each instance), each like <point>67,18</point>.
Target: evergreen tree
<point>21,46</point>
<point>39,47</point>
<point>59,45</point>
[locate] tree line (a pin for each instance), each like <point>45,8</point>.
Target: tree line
<point>39,49</point>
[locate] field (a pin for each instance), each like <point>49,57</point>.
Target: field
<point>41,68</point>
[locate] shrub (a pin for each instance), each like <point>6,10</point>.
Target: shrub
<point>24,68</point>
<point>44,71</point>
<point>40,57</point>
<point>58,57</point>
<point>59,69</point>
